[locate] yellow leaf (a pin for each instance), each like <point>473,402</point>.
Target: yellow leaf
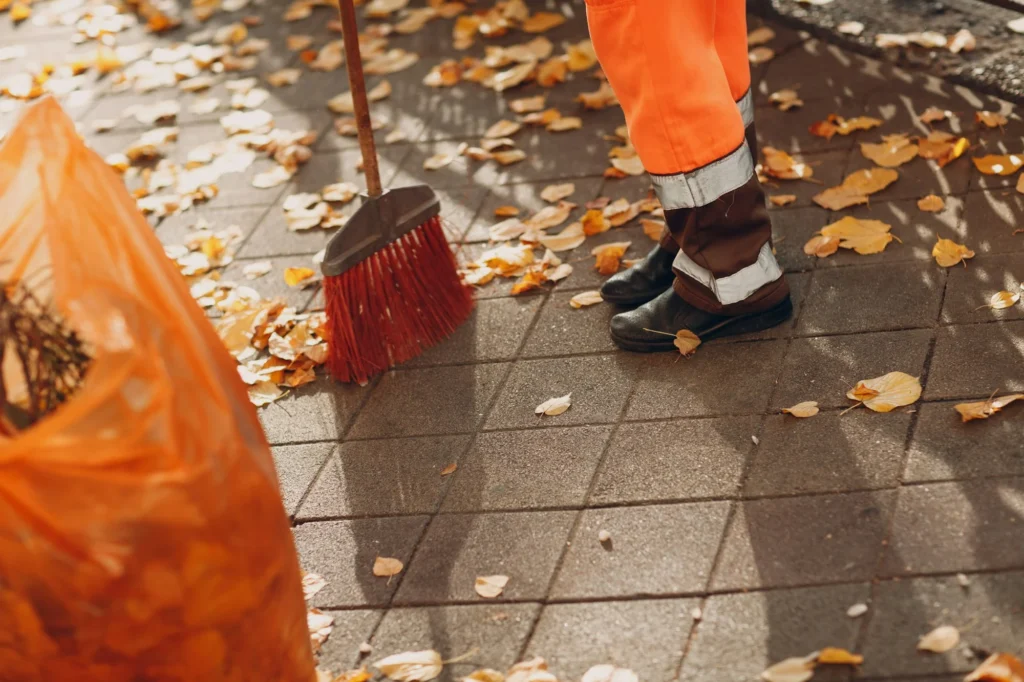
<point>855,188</point>
<point>594,222</point>
<point>550,216</point>
<point>555,406</point>
<point>525,105</point>
<point>996,164</point>
<point>760,36</point>
<point>933,115</point>
<point>805,409</point>
<point>542,21</point>
<point>603,97</point>
<point>506,211</point>
<point>484,675</point>
<point>20,12</point>
<point>294,276</point>
<point>760,55</point>
<point>779,164</point>
<point>782,199</point>
<point>941,146</point>
<point>450,469</point>
<point>502,128</point>
<point>530,281</point>
<point>444,75</point>
<point>552,72</point>
<point>1003,299</point>
<point>438,161</point>
<point>296,43</point>
<point>887,392</point>
<point>686,341</point>
<point>283,77</point>
<point>490,586</point>
<point>585,298</point>
<point>894,150</point>
<point>385,567</point>
<point>360,675</point>
<point>1020,184</point>
<point>931,203</point>
<point>986,408</point>
<point>836,656</point>
<point>999,667</point>
<point>555,193</point>
<point>785,99</point>
<point>411,666</point>
<point>790,670</point>
<point>940,640</point>
<point>509,157</point>
<point>630,166</point>
<point>264,393</point>
<point>565,123</point>
<point>609,256</point>
<point>653,228</point>
<point>581,56</point>
<point>991,119</point>
<point>948,253</point>
<point>863,236</point>
<point>566,240</point>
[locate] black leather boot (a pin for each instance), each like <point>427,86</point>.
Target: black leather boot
<point>669,313</point>
<point>643,281</point>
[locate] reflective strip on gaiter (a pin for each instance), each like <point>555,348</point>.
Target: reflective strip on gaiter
<point>737,286</point>
<point>746,106</point>
<point>703,185</point>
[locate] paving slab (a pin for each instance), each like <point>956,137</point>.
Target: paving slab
<point>990,221</point>
<point>645,636</point>
<point>830,452</point>
<point>675,460</point>
<point>297,466</point>
<point>820,68</point>
<point>658,549</point>
<point>989,614</point>
<point>492,634</point>
<point>526,197</point>
<point>315,412</point>
<point>343,553</point>
<point>961,526</point>
<point>800,540</point>
<point>969,290</point>
<point>458,548</point>
<point>562,329</point>
<point>383,477</point>
<point>792,228</point>
<point>530,469</point>
<point>828,167</point>
<point>788,130</point>
<point>740,635</point>
<point>824,368</point>
<point>352,627</point>
<point>962,365</point>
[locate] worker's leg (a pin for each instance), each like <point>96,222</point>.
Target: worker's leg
<point>661,59</point>
<point>731,46</point>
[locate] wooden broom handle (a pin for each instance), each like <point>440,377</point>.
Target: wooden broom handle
<point>356,83</point>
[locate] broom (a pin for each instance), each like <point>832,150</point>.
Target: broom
<point>390,277</point>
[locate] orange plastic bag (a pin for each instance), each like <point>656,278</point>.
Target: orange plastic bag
<point>142,536</point>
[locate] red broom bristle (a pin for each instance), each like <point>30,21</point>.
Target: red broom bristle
<point>394,305</point>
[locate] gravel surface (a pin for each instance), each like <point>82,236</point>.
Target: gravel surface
<point>995,67</point>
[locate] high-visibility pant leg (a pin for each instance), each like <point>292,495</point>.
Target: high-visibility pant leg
<point>661,58</point>
<point>731,46</point>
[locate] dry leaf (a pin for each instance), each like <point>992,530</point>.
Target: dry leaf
<point>566,240</point>
<point>857,610</point>
<point>835,656</point>
<point>996,164</point>
<point>555,406</point>
<point>550,216</point>
<point>940,640</point>
<point>542,21</point>
<point>1020,184</point>
<point>342,104</point>
<point>887,392</point>
<point>296,43</point>
<point>581,56</point>
<point>805,409</point>
<point>552,72</point>
<point>933,115</point>
<point>257,269</point>
<point>852,28</point>
<point>785,99</point>
<point>760,36</point>
<point>264,393</point>
<point>565,123</point>
<point>855,188</point>
<point>283,77</point>
<point>653,228</point>
<point>585,298</point>
<point>931,203</point>
<point>894,150</point>
<point>782,199</point>
<point>790,670</point>
<point>311,584</point>
<point>986,408</point>
<point>506,211</point>
<point>294,276</point>
<point>490,586</point>
<point>948,253</point>
<point>385,567</point>
<point>526,105</point>
<point>530,281</point>
<point>962,41</point>
<point>1017,26</point>
<point>601,98</point>
<point>503,128</point>
<point>391,61</point>
<point>843,126</point>
<point>1003,299</point>
<point>484,675</point>
<point>687,342</point>
<point>609,256</point>
<point>411,666</point>
<point>779,164</point>
<point>594,222</point>
<point>509,157</point>
<point>555,193</point>
<point>863,236</point>
<point>760,55</point>
<point>438,161</point>
<point>450,469</point>
<point>277,175</point>
<point>630,166</point>
<point>320,625</point>
<point>999,667</point>
<point>533,670</point>
<point>941,146</point>
<point>991,119</point>
<point>503,80</point>
<point>609,673</point>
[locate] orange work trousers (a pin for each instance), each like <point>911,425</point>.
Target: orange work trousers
<point>681,73</point>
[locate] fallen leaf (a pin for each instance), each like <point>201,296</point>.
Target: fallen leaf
<point>999,667</point>
<point>931,203</point>
<point>835,656</point>
<point>601,98</point>
<point>484,675</point>
<point>653,228</point>
<point>450,469</point>
<point>277,175</point>
<point>565,123</point>
<point>585,298</point>
<point>843,126</point>
<point>1017,26</point>
<point>991,119</point>
<point>320,625</point>
<point>985,409</point>
<point>542,21</point>
<point>779,164</point>
<point>438,161</point>
<point>995,164</point>
<point>506,211</point>
<point>940,640</point>
<point>530,281</point>
<point>552,72</point>
<point>782,199</point>
<point>392,61</point>
<point>581,56</point>
<point>856,187</point>
<point>19,12</point>
<point>566,240</point>
<point>594,222</point>
<point>264,393</point>
<point>941,146</point>
<point>509,157</point>
<point>342,103</point>
<point>1020,184</point>
<point>857,610</point>
<point>1003,299</point>
<point>609,256</point>
<point>553,193</point>
<point>887,392</point>
<point>863,236</point>
<point>785,99</point>
<point>533,670</point>
<point>550,216</point>
<point>311,584</point>
<point>257,269</point>
<point>760,55</point>
<point>283,77</point>
<point>609,673</point>
<point>503,80</point>
<point>948,253</point>
<point>790,670</point>
<point>933,115</point>
<point>687,342</point>
<point>294,276</point>
<point>490,586</point>
<point>805,409</point>
<point>295,43</point>
<point>962,41</point>
<point>760,36</point>
<point>385,567</point>
<point>343,192</point>
<point>894,150</point>
<point>503,128</point>
<point>630,166</point>
<point>526,105</point>
<point>853,28</point>
<point>555,406</point>
<point>411,666</point>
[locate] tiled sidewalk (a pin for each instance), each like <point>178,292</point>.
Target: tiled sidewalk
<point>740,536</point>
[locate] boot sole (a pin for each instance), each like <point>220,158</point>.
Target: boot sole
<point>733,326</point>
